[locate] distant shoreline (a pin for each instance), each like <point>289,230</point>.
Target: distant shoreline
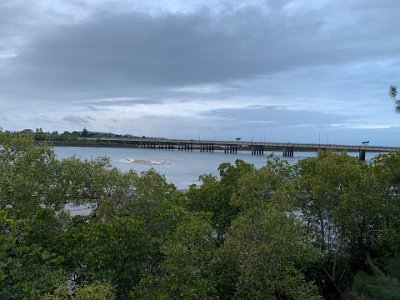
<point>90,143</point>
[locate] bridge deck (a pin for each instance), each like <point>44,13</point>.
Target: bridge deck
<point>245,145</point>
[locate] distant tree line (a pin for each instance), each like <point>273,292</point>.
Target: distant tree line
<point>67,136</point>
<point>326,227</point>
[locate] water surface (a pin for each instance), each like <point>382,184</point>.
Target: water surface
<point>179,167</point>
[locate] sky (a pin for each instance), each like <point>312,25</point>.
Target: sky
<point>312,71</point>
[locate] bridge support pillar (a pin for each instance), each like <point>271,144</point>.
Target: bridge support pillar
<point>288,151</point>
<point>164,146</point>
<point>184,147</point>
<point>361,155</point>
<point>257,150</point>
<point>206,147</point>
<point>230,149</point>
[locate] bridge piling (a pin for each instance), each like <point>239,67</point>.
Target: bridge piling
<point>257,150</point>
<point>183,147</point>
<point>229,148</point>
<point>361,155</point>
<point>288,151</point>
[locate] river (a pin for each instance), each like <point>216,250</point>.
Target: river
<point>181,168</point>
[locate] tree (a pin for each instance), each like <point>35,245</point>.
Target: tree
<point>375,286</point>
<point>344,204</point>
<point>268,233</point>
<point>270,251</point>
<point>214,196</point>
<point>85,132</point>
<point>259,186</point>
<point>94,291</point>
<point>386,170</point>
<point>190,255</point>
<point>27,176</point>
<point>27,269</point>
<point>117,251</point>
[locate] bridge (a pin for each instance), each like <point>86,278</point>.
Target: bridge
<point>232,147</point>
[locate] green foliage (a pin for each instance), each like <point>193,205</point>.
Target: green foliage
<point>346,207</point>
<point>118,251</point>
<point>27,172</point>
<point>376,286</point>
<point>95,291</point>
<point>189,258</point>
<point>259,186</point>
<point>214,196</point>
<point>60,293</point>
<point>27,270</point>
<point>270,250</point>
<point>276,232</point>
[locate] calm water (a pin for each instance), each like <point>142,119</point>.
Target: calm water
<point>179,167</point>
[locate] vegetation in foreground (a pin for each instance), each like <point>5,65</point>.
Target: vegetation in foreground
<point>326,227</point>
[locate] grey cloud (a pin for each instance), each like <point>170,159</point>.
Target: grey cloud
<point>93,108</point>
<point>42,119</point>
<point>269,116</point>
<point>272,123</point>
<point>4,118</point>
<point>89,118</point>
<point>18,23</point>
<point>340,55</point>
<point>124,51</point>
<point>95,104</point>
<point>74,119</point>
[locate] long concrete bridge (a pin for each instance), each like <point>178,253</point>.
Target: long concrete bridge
<point>232,147</point>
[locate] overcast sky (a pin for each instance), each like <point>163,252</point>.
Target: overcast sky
<point>298,71</point>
